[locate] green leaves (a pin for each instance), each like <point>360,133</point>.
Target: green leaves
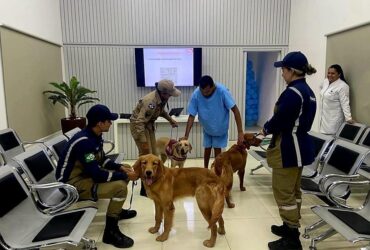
<point>70,95</point>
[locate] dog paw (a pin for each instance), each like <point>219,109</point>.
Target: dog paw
<point>162,237</point>
<point>209,243</point>
<point>153,230</point>
<point>242,189</point>
<point>231,205</point>
<point>221,230</point>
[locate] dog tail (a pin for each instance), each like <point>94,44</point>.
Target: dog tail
<point>218,206</point>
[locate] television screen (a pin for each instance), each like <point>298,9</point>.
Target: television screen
<point>181,65</point>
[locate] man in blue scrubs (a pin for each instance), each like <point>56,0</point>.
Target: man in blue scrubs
<point>212,103</point>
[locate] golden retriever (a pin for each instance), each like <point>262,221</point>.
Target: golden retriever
<point>233,160</point>
<point>175,150</point>
<point>164,185</point>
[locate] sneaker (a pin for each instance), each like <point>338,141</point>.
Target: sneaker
<point>285,244</point>
<point>127,214</point>
<point>281,231</point>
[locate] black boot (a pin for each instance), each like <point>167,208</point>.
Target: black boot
<point>289,242</point>
<point>142,190</point>
<point>112,234</point>
<point>127,214</point>
<point>281,231</point>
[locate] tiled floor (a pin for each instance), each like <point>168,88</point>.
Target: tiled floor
<point>247,225</point>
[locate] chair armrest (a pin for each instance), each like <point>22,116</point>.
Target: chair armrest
<point>71,196</point>
<point>338,201</point>
<point>111,144</point>
<point>324,179</point>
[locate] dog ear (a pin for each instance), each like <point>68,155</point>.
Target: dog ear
<point>137,167</point>
<point>160,169</point>
<point>190,147</point>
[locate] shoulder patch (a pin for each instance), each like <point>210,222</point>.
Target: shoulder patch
<point>151,106</point>
<point>89,157</point>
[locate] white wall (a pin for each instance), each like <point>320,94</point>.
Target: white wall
<point>311,20</point>
<point>40,18</point>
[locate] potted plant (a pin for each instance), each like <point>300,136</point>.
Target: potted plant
<point>72,96</point>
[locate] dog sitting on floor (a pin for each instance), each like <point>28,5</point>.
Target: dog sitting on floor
<point>233,160</point>
<point>165,185</point>
<point>177,151</point>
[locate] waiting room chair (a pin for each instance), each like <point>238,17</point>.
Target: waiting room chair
<point>23,226</point>
<point>352,223</point>
<point>350,132</point>
<point>10,145</point>
<point>260,155</point>
<point>342,162</point>
<point>56,145</point>
<point>39,169</point>
<point>322,145</point>
<point>365,138</point>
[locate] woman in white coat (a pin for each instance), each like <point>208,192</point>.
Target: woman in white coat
<point>335,107</point>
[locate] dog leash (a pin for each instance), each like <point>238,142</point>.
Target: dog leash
<point>177,133</point>
<point>134,183</point>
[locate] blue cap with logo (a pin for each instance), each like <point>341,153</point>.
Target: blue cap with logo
<point>295,60</point>
<point>100,113</point>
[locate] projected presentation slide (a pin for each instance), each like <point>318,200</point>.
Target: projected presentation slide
<point>174,64</point>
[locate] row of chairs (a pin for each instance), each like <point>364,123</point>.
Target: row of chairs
<point>11,145</point>
<point>338,161</point>
<point>37,199</point>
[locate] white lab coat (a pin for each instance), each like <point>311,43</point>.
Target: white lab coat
<point>335,107</point>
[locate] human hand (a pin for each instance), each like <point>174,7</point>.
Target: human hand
<point>351,121</point>
<point>240,138</point>
<point>174,124</point>
<point>132,176</point>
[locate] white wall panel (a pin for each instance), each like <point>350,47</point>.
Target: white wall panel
<point>100,36</point>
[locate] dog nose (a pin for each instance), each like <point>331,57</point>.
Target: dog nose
<point>148,173</point>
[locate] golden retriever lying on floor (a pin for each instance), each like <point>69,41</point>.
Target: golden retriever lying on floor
<point>233,160</point>
<point>175,150</point>
<point>164,185</point>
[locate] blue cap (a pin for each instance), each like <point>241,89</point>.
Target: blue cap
<point>295,60</point>
<point>100,113</point>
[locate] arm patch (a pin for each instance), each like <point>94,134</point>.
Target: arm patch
<point>89,157</point>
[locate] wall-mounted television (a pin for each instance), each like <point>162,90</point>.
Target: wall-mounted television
<point>181,65</point>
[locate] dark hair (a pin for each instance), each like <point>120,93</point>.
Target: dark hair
<point>339,70</point>
<point>206,81</point>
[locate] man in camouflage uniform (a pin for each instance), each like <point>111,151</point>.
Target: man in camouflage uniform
<point>146,112</point>
<point>84,165</point>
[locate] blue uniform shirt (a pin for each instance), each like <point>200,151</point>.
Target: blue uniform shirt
<point>293,117</point>
<point>213,112</point>
<point>84,158</point>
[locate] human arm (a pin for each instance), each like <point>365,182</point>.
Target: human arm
<point>285,114</point>
<point>166,116</point>
<point>239,125</point>
<point>189,125</point>
<point>85,155</point>
<point>343,93</point>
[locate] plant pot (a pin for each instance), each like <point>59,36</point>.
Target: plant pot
<point>68,124</point>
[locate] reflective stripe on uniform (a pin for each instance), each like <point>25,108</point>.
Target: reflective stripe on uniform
<point>105,162</point>
<point>118,199</point>
<point>294,135</point>
<point>288,207</point>
<point>109,176</point>
<point>298,200</point>
<point>68,155</point>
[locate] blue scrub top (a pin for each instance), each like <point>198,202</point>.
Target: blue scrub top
<point>213,112</point>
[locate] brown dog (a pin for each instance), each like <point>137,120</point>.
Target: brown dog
<point>164,185</point>
<point>233,160</point>
<point>177,151</point>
